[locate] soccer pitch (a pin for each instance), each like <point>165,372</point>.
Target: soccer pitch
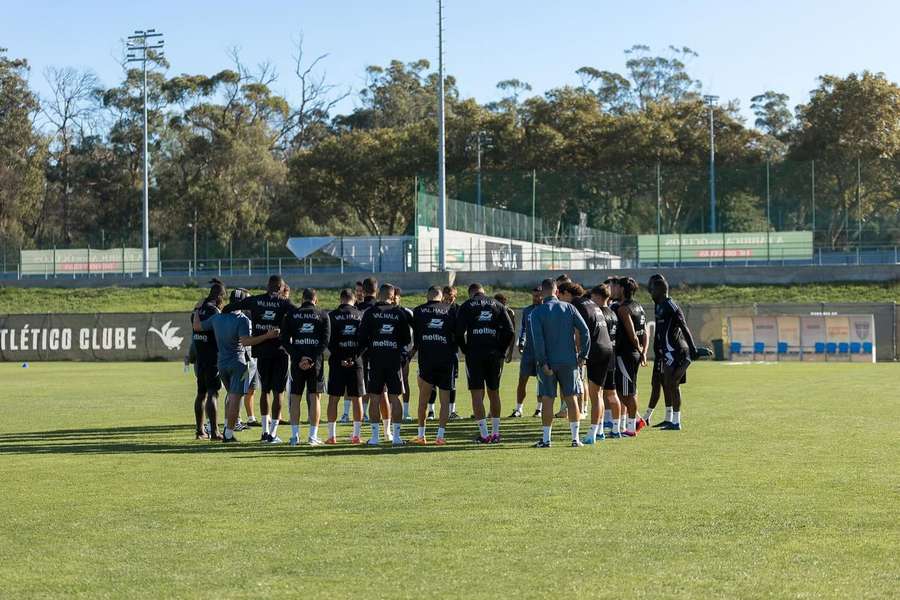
<point>785,483</point>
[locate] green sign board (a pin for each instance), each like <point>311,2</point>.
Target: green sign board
<point>81,261</point>
<point>734,247</point>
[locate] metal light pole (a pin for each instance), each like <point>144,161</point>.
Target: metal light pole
<point>442,166</point>
<point>711,103</point>
<point>195,241</point>
<point>138,45</point>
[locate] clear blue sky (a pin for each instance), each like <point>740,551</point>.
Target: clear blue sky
<point>745,48</point>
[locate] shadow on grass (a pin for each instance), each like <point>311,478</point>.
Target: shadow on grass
<point>166,439</point>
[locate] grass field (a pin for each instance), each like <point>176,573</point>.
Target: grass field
<point>161,299</point>
<point>784,483</point>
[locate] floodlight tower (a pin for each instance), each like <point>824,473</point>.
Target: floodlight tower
<point>442,165</point>
<point>142,46</point>
<point>711,103</point>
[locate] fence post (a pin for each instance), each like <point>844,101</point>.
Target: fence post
<point>220,267</point>
<point>249,266</point>
<point>279,266</point>
<point>159,272</point>
<point>267,257</point>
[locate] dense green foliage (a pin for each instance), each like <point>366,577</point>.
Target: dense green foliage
<point>242,164</point>
<point>773,489</point>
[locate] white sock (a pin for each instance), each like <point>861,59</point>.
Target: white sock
<point>519,406</point>
<point>386,423</point>
<point>647,414</point>
<point>265,423</point>
<point>375,428</point>
<point>546,437</point>
<point>406,410</point>
<point>623,421</point>
<point>453,407</point>
<point>495,425</point>
<point>482,427</point>
<point>396,432</point>
<point>295,431</point>
<point>615,427</point>
<point>593,431</point>
<point>346,408</point>
<point>574,425</point>
<point>669,412</point>
<point>332,429</point>
<point>357,428</point>
<point>607,415</point>
<point>441,432</point>
<point>273,427</point>
<point>631,424</point>
<point>228,434</point>
<point>313,432</point>
<point>421,432</point>
<point>676,417</point>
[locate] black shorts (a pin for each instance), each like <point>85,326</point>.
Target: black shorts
<point>208,381</point>
<point>345,381</point>
<point>627,366</point>
<point>311,380</point>
<point>676,372</point>
<point>484,372</point>
<point>599,365</point>
<point>381,378</point>
<point>440,375</point>
<point>273,372</point>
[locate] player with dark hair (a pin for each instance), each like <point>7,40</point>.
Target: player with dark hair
<point>503,300</point>
<point>673,348</point>
<point>407,352</point>
<point>206,369</point>
<point>305,331</point>
<point>345,372</point>
<point>266,313</point>
<point>527,367</point>
<point>369,290</point>
<point>232,333</point>
<point>631,352</point>
<point>434,330</point>
<point>384,332</point>
<point>483,333</point>
<point>601,295</point>
<point>359,296</point>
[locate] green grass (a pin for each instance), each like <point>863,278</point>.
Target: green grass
<point>163,299</point>
<point>784,483</point>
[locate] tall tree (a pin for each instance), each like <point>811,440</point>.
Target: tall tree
<point>22,155</point>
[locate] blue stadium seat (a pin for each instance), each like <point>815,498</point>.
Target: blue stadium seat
<point>855,347</point>
<point>831,348</point>
<point>844,348</point>
<point>820,347</point>
<point>759,347</point>
<point>736,347</point>
<point>782,347</point>
<point>867,347</point>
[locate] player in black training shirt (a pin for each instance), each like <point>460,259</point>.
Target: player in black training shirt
<point>369,289</point>
<point>205,365</point>
<point>345,372</point>
<point>483,333</point>
<point>266,313</point>
<point>305,331</point>
<point>600,295</point>
<point>383,334</point>
<point>407,352</point>
<point>434,334</point>
<point>631,352</point>
<point>673,347</point>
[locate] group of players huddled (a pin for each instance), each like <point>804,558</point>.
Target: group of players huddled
<point>585,345</point>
